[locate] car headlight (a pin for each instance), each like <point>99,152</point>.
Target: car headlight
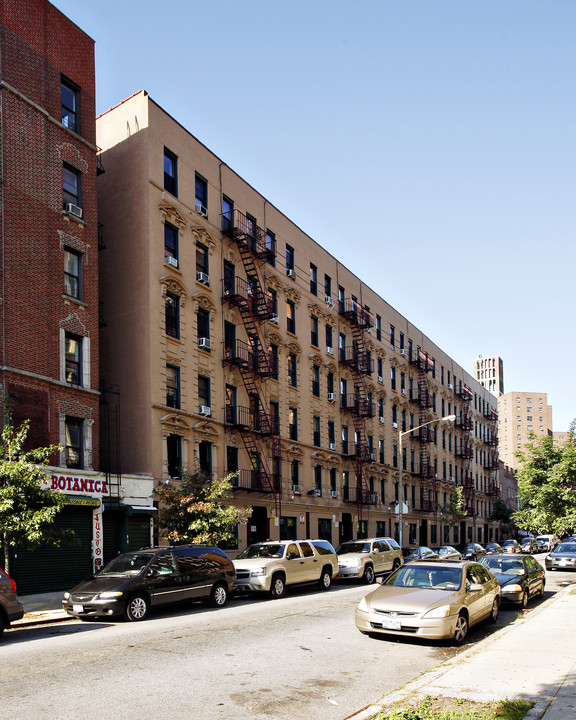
<point>514,588</point>
<point>110,594</point>
<point>438,612</point>
<point>257,572</point>
<point>363,605</point>
<point>66,595</point>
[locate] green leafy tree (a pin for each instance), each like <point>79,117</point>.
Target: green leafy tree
<point>191,510</point>
<point>27,508</point>
<point>454,511</point>
<point>503,513</point>
<point>547,485</point>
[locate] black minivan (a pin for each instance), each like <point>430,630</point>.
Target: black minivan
<point>132,583</point>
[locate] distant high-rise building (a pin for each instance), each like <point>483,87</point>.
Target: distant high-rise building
<point>560,437</point>
<point>490,373</point>
<point>519,415</point>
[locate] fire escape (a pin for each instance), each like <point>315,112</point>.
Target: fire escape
<point>464,450</point>
<point>491,441</point>
<point>422,398</point>
<point>259,431</point>
<point>358,404</point>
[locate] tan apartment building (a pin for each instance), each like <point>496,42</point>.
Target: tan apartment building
<point>519,414</point>
<point>490,374</point>
<point>241,345</point>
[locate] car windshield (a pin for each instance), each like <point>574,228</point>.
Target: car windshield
<point>418,576</point>
<point>471,547</point>
<point>503,567</point>
<point>508,543</point>
<point>411,553</point>
<point>566,548</point>
<point>129,564</point>
<point>264,550</point>
<point>354,547</point>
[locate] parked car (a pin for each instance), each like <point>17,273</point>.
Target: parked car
<point>11,608</point>
<point>521,577</point>
<point>529,546</point>
<point>563,557</point>
<point>542,545</point>
<point>447,552</point>
<point>132,584</point>
<point>493,548</point>
<point>511,546</point>
<point>473,551</point>
<point>272,566</point>
<point>367,558</point>
<point>419,553</point>
<point>549,541</point>
<point>434,600</point>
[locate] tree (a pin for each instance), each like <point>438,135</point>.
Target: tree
<point>454,511</point>
<point>191,511</point>
<point>27,508</point>
<point>547,485</point>
<point>502,513</point>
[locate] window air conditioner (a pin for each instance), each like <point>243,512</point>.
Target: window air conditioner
<point>394,424</point>
<point>290,272</point>
<point>203,278</point>
<point>403,391</point>
<point>403,352</point>
<point>380,378</point>
<point>275,319</point>
<point>332,446</point>
<point>204,410</point>
<point>331,397</point>
<point>171,260</point>
<point>328,300</point>
<point>330,351</point>
<point>374,497</point>
<point>381,419</point>
<point>204,342</point>
<point>201,210</point>
<point>296,490</point>
<point>74,210</point>
<point>450,386</point>
<point>318,492</point>
<point>334,493</point>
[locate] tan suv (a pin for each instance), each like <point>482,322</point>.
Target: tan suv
<point>272,566</point>
<point>367,558</point>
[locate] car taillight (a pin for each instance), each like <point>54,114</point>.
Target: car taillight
<point>12,583</point>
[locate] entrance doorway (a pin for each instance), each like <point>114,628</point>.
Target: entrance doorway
<point>346,528</point>
<point>258,526</point>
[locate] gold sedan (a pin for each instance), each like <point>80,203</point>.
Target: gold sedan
<point>434,600</point>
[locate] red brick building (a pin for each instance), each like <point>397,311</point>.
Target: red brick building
<point>49,246</point>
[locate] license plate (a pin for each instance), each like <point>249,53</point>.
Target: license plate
<point>78,608</point>
<point>391,624</point>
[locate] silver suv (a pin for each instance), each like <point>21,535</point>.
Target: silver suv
<point>10,608</point>
<point>272,566</point>
<point>368,557</point>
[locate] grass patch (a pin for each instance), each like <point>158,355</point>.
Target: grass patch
<point>439,708</point>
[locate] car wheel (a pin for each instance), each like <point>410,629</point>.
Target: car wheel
<point>137,608</point>
<point>495,610</point>
<point>325,581</point>
<point>369,575</point>
<point>524,600</point>
<point>219,595</point>
<point>395,565</point>
<point>278,587</point>
<point>461,629</point>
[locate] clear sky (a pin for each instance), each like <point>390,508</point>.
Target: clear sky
<point>427,144</point>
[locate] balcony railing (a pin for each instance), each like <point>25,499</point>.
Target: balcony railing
<point>463,392</point>
<point>355,313</point>
<point>464,451</point>
<point>239,228</point>
<point>254,480</point>
<point>464,423</point>
<point>245,418</point>
<point>422,397</point>
<point>243,294</point>
<point>241,354</point>
<point>422,361</point>
<point>363,496</point>
<point>357,360</point>
<point>359,406</point>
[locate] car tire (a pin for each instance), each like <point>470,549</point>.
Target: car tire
<point>218,595</point>
<point>369,576</point>
<point>395,565</point>
<point>137,608</point>
<point>277,586</point>
<point>494,612</point>
<point>325,581</point>
<point>524,600</point>
<point>461,630</point>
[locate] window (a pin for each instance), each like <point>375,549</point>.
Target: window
<point>316,430</point>
<point>173,386</point>
<point>202,263</point>
<point>330,383</point>
<point>401,341</point>
<point>201,195</point>
<point>392,340</point>
<point>172,315</point>
<point>74,433</point>
<point>205,457</point>
<point>170,244</point>
<point>174,455</point>
<point>293,423</point>
<point>170,172</point>
<point>72,274</point>
<point>381,455</point>
<point>380,367</point>
<point>341,298</point>
<point>227,213</point>
<point>70,97</point>
<point>316,381</point>
<point>393,378</point>
<point>292,371</point>
<point>318,480</point>
<point>204,391</point>
<point>73,358</point>
<point>289,260</point>
<point>327,285</point>
<point>314,331</point>
<point>313,279</point>
<point>275,416</point>
<point>331,432</point>
<point>71,186</point>
<point>329,337</point>
<point>290,316</point>
<point>294,472</point>
<point>378,327</point>
<point>203,323</point>
<point>273,350</point>
<point>270,248</point>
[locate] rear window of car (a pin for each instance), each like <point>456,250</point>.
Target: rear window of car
<point>262,551</point>
<point>323,547</point>
<point>353,547</point>
<point>566,547</point>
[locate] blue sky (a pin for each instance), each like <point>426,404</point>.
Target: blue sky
<point>428,144</point>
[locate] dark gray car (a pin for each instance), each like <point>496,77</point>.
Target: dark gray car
<point>10,608</point>
<point>133,583</point>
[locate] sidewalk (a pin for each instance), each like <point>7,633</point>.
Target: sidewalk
<point>533,658</point>
<point>41,609</point>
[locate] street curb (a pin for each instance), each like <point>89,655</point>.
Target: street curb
<point>414,687</point>
<point>32,619</point>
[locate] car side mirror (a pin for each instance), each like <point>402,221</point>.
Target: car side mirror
<point>474,587</point>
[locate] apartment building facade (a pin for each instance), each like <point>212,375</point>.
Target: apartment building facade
<point>49,275</point>
<point>241,345</point>
<point>490,373</point>
<point>519,415</point>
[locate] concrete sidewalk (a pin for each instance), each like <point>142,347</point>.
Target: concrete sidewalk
<point>41,609</point>
<point>533,658</point>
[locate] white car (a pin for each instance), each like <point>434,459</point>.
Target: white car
<point>366,558</point>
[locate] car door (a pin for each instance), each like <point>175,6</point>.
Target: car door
<point>383,556</point>
<point>193,573</point>
<point>295,568</point>
<point>164,582</point>
<point>474,599</point>
<point>535,573</point>
<point>311,567</point>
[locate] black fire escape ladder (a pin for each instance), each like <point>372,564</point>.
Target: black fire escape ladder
<point>423,364</point>
<point>466,425</point>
